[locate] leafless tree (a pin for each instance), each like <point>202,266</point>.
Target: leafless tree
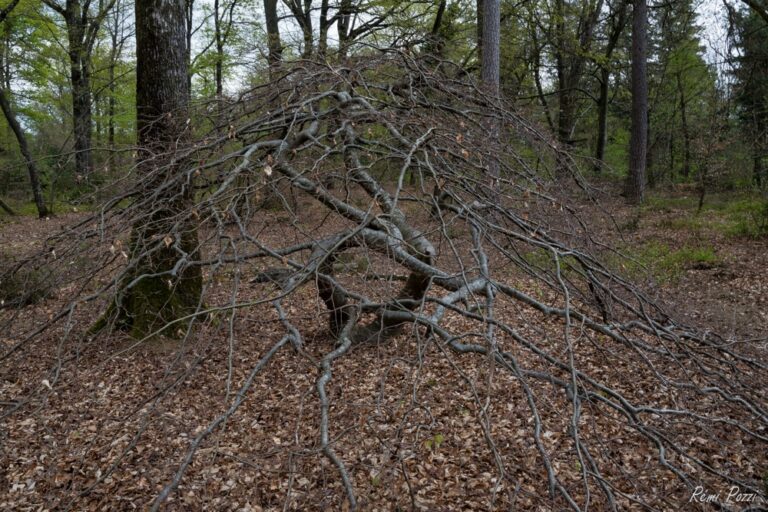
<point>613,404</point>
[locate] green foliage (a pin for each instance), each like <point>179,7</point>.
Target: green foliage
<point>742,215</point>
<point>750,218</point>
<point>28,208</point>
<point>434,443</point>
<point>751,72</point>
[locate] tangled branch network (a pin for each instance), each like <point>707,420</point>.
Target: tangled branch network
<point>353,206</point>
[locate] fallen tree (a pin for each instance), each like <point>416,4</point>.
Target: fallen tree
<point>387,213</point>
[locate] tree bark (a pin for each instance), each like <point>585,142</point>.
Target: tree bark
<point>490,78</point>
<point>685,129</point>
<point>189,18</point>
<point>602,118</point>
<point>151,296</point>
<point>322,42</point>
<point>219,44</point>
<point>81,112</point>
<point>479,35</point>
<point>635,186</point>
<point>112,103</point>
<point>344,25</point>
<point>302,13</point>
<point>274,44</point>
<point>34,176</point>
<point>82,28</point>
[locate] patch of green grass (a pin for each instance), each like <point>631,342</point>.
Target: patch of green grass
<point>688,223</point>
<point>748,218</point>
<point>544,259</point>
<point>29,209</point>
<point>663,262</point>
<point>730,214</point>
<point>690,257</point>
<point>669,203</point>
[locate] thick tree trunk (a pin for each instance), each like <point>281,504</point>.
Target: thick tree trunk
<point>274,44</point>
<point>566,119</point>
<point>34,176</point>
<point>344,26</point>
<point>81,114</point>
<point>80,80</point>
<point>322,41</point>
<point>151,296</point>
<point>638,145</point>
<point>491,45</point>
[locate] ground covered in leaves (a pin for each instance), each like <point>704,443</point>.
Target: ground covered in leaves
<point>105,426</point>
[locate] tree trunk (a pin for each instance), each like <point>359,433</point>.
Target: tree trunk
<point>274,45</point>
<point>219,67</point>
<point>638,145</point>
<point>618,22</point>
<point>151,296</point>
<point>649,167</point>
<point>435,44</point>
<point>189,17</point>
<point>602,118</point>
<point>302,13</point>
<point>81,115</point>
<point>344,26</point>
<point>34,177</point>
<point>686,133</point>
<point>79,65</point>
<point>479,34</point>
<point>111,105</point>
<point>490,78</point>
<point>322,42</point>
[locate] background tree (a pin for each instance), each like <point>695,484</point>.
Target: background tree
<point>160,290</point>
<point>274,44</point>
<point>18,131</point>
<point>83,22</point>
<point>490,76</point>
<point>572,33</point>
<point>749,32</point>
<point>614,27</point>
<point>635,188</point>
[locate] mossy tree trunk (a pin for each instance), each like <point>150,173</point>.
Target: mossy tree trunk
<point>162,288</point>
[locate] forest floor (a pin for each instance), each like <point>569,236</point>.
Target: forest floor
<point>108,433</point>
